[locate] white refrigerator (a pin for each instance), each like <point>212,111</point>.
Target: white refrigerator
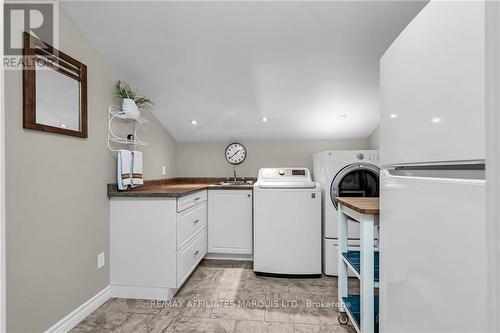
<point>432,149</point>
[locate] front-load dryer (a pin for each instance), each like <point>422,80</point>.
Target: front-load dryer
<point>344,173</point>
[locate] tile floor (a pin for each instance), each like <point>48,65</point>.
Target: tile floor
<point>226,296</point>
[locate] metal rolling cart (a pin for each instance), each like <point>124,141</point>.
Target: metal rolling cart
<point>361,309</point>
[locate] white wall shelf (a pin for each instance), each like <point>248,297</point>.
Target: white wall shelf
<point>116,112</point>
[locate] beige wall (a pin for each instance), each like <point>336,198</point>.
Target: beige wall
<point>207,158</point>
<point>161,148</point>
<point>374,139</point>
<point>57,209</point>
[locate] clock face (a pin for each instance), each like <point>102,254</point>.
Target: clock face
<point>236,153</point>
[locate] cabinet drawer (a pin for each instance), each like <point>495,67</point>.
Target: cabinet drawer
<point>189,222</point>
<point>190,255</point>
<point>191,200</point>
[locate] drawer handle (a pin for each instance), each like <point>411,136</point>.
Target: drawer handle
<point>196,221</point>
<point>196,252</point>
<point>197,198</point>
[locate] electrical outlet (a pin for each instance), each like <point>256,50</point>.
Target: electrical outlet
<point>100,260</point>
<point>163,170</point>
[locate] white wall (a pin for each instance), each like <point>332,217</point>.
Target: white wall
<point>57,208</point>
<point>207,158</point>
<point>374,139</point>
<point>229,63</point>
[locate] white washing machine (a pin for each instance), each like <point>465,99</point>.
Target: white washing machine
<point>287,223</point>
<point>348,173</point>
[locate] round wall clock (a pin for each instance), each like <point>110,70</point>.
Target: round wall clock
<point>236,153</point>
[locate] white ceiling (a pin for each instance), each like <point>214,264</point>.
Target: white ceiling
<point>228,64</point>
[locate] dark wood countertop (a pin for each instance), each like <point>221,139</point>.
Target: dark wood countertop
<point>361,205</point>
<point>175,188</point>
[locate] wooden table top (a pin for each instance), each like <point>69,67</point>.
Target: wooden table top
<point>361,205</point>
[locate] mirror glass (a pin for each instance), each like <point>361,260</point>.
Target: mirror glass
<point>57,99</point>
<point>54,90</point>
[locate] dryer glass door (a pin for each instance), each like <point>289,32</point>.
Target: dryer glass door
<point>355,180</point>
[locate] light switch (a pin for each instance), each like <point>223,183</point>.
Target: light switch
<point>100,260</point>
<point>163,170</point>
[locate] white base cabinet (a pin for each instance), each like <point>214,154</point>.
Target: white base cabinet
<point>230,221</point>
<point>155,244</point>
<point>189,256</point>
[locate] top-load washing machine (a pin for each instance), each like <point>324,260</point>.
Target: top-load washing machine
<point>287,223</point>
<point>343,173</point>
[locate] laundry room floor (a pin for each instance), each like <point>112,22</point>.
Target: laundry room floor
<point>226,296</point>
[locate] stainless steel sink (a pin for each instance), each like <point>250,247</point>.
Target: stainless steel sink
<point>233,182</point>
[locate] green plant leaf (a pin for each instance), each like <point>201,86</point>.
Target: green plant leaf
<point>123,90</point>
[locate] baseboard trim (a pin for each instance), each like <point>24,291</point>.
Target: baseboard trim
<point>229,256</point>
<point>73,318</point>
<point>138,292</point>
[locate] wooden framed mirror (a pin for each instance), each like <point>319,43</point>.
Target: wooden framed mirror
<point>54,90</point>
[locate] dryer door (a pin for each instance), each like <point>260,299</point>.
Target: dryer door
<point>354,180</point>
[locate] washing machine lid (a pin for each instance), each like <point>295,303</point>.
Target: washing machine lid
<point>285,178</point>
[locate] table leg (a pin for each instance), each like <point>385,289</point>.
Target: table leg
<point>342,266</point>
<point>367,274</point>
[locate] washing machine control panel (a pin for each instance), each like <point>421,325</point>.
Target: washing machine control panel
<point>296,174</point>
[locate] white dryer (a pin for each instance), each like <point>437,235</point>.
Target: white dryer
<point>349,173</point>
<point>287,223</point>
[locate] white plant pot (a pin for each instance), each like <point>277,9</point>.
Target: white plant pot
<point>130,108</point>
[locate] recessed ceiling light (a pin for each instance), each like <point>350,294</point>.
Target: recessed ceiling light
<point>342,117</point>
<point>264,119</point>
<point>393,115</point>
<point>436,120</point>
<point>194,122</point>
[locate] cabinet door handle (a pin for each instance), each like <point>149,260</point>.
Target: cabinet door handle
<point>197,198</point>
<point>196,221</point>
<point>196,252</point>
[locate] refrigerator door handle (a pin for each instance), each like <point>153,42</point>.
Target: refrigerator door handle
<point>440,165</point>
<point>445,175</point>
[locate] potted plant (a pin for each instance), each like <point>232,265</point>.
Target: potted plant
<point>131,100</point>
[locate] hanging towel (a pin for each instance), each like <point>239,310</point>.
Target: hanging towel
<point>137,178</point>
<point>119,171</point>
<point>124,170</point>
